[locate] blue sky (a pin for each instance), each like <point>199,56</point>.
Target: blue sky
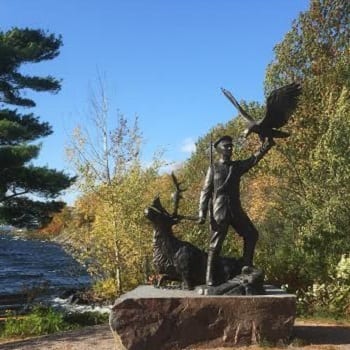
<point>163,60</point>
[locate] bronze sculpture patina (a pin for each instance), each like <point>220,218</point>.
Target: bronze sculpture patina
<point>221,187</point>
<point>178,260</point>
<point>279,107</point>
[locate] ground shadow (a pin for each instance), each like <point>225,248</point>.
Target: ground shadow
<point>319,334</point>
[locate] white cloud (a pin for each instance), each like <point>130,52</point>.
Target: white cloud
<point>167,166</point>
<point>188,145</point>
<point>170,167</point>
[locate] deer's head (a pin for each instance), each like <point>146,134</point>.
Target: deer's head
<point>158,215</point>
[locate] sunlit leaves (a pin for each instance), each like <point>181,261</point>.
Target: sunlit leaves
<point>313,170</point>
<point>112,236</point>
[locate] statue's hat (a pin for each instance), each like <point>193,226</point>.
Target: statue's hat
<point>223,139</point>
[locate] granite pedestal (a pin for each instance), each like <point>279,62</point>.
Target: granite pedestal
<point>149,318</point>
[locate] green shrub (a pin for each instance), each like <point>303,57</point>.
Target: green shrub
<point>45,320</point>
<point>86,318</point>
<point>40,321</point>
<point>332,298</point>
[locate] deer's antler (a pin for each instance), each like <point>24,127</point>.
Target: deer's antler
<point>176,196</point>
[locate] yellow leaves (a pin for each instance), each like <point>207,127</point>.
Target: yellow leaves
<point>118,242</point>
<point>55,227</point>
<point>260,197</point>
<point>105,289</point>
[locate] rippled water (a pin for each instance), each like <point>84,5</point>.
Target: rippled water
<point>33,267</point>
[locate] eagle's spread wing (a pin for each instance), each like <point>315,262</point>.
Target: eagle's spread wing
<point>244,114</point>
<point>280,105</point>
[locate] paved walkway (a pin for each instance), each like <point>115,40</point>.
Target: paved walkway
<point>88,338</point>
<point>309,336</point>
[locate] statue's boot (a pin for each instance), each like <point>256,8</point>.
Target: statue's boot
<point>209,277</point>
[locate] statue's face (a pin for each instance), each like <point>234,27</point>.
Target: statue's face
<point>225,149</point>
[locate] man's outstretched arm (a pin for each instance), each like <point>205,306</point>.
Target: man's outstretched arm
<point>247,164</point>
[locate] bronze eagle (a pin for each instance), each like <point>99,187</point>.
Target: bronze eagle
<point>280,105</point>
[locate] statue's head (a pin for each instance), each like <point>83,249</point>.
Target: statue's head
<point>224,146</point>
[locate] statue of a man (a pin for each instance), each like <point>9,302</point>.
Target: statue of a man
<point>221,185</point>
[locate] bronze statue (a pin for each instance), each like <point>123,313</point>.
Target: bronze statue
<point>279,107</point>
<point>177,260</point>
<point>221,187</point>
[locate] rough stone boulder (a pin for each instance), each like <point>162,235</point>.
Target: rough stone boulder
<point>148,318</point>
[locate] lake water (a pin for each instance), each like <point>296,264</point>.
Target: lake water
<point>33,268</point>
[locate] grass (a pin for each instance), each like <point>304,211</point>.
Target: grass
<point>45,320</point>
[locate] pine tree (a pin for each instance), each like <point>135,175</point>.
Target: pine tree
<point>21,182</point>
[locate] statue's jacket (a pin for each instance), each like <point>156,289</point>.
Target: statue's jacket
<point>222,186</point>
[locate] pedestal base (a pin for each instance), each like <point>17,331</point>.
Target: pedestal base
<point>149,318</point>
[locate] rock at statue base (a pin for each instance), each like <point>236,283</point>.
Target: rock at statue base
<point>150,318</point>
